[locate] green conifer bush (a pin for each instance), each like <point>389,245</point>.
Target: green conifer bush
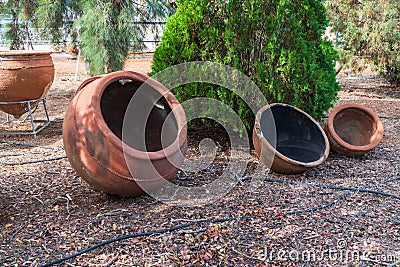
<point>278,44</point>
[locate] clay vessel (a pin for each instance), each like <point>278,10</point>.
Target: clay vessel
<point>72,50</point>
<point>290,138</point>
<point>24,75</point>
<point>93,130</point>
<point>353,129</point>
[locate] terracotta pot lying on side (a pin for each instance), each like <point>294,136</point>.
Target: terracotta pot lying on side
<point>24,75</point>
<point>93,131</point>
<point>289,138</point>
<point>353,129</point>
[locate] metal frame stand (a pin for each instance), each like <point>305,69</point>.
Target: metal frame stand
<point>28,103</point>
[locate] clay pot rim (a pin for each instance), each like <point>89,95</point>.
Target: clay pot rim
<point>365,148</point>
<point>18,53</point>
<point>285,158</point>
<point>177,109</point>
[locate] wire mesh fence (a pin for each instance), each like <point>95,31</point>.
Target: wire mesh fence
<point>33,38</point>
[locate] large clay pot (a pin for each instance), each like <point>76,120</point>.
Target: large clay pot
<point>290,138</point>
<point>93,130</point>
<point>353,129</point>
<point>24,75</point>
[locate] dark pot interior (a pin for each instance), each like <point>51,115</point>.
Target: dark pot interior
<point>297,137</point>
<point>141,132</point>
<point>354,126</point>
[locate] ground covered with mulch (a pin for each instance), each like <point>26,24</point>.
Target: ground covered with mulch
<point>47,212</point>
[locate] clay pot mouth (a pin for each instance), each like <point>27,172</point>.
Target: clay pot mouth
<point>298,140</point>
<point>355,127</point>
<point>23,53</point>
<point>115,93</point>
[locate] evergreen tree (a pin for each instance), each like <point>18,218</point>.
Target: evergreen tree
<point>20,12</point>
<point>370,33</point>
<point>55,19</point>
<point>108,31</point>
<point>278,44</point>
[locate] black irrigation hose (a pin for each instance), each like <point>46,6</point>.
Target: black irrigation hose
<point>160,231</point>
<point>31,162</point>
<point>30,145</point>
<point>325,206</point>
<point>182,226</point>
<point>330,204</point>
<point>337,187</point>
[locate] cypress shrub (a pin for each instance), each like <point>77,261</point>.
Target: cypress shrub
<point>278,44</point>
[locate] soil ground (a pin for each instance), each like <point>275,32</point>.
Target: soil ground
<point>47,212</point>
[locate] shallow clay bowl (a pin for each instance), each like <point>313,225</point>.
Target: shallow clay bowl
<point>353,129</point>
<point>290,138</point>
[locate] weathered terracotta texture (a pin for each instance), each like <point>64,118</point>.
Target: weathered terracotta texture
<point>92,135</point>
<point>24,75</point>
<point>353,129</point>
<point>298,144</point>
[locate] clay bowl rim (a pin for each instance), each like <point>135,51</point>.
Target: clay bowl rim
<point>283,157</point>
<point>176,107</point>
<point>23,53</point>
<point>365,148</point>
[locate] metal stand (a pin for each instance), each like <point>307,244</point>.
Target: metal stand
<point>28,103</point>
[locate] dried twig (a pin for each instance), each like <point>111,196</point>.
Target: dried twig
<point>201,230</point>
<point>16,232</point>
<point>185,220</point>
<point>38,199</point>
<point>68,199</point>
<point>311,237</point>
<point>112,212</point>
<point>245,255</point>
<point>45,248</point>
<point>111,261</point>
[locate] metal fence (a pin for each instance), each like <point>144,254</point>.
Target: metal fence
<point>152,36</point>
<point>2,36</point>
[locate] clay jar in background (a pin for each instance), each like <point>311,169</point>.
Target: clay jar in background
<point>24,75</point>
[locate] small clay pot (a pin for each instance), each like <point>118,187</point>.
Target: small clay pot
<point>353,129</point>
<point>24,75</point>
<point>93,130</point>
<point>289,138</point>
<point>73,50</point>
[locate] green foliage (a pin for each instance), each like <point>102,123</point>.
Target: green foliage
<point>106,27</point>
<point>108,33</point>
<point>17,30</point>
<point>105,37</point>
<point>371,34</point>
<point>53,15</point>
<point>278,44</point>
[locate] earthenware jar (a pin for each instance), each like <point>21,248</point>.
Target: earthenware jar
<point>353,129</point>
<point>24,75</point>
<point>290,138</point>
<point>108,154</point>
